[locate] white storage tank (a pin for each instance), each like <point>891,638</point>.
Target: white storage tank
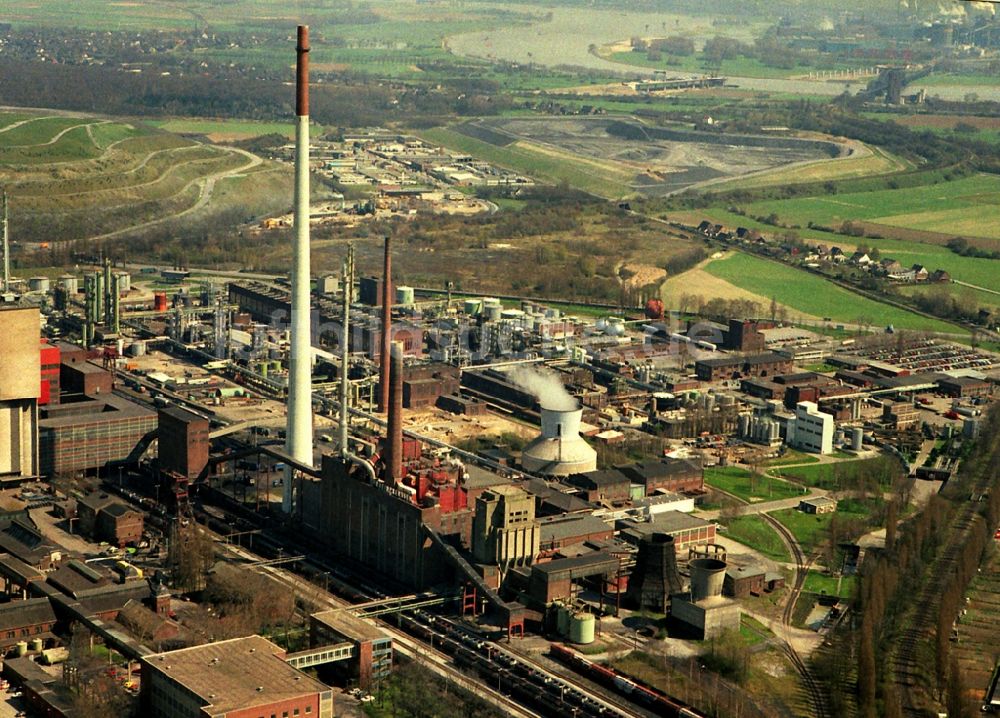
<point>404,296</point>
<point>38,284</point>
<point>70,284</point>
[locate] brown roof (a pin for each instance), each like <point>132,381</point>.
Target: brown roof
<point>236,674</point>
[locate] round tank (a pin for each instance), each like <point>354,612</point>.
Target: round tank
<point>138,349</point>
<point>493,312</point>
<point>581,628</point>
<point>38,284</point>
<point>22,648</point>
<point>36,645</point>
<point>707,575</point>
<point>490,302</point>
<point>124,281</point>
<point>472,306</point>
<point>404,296</point>
<point>615,326</point>
<point>160,301</point>
<point>562,620</point>
<point>70,283</point>
<point>744,422</point>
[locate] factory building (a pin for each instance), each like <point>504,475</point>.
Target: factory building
<point>372,648</point>
<point>687,531</point>
<point>49,360</point>
<point>811,429</point>
<point>20,389</point>
<point>239,678</point>
<point>756,365</point>
<point>104,518</point>
<point>89,434</point>
<point>85,378</point>
<point>603,486</point>
<point>667,475</point>
<point>505,532</point>
<point>183,441</point>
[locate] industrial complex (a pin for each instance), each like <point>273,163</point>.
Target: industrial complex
<point>369,472</point>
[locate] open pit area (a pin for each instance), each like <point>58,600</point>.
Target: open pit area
<point>649,160</point>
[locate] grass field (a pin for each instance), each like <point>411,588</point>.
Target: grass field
<point>822,584</point>
<point>811,530</point>
<point>965,206</point>
<point>230,130</point>
<point>791,456</point>
<point>814,295</point>
<point>823,476</point>
<point>736,481</point>
<point>756,533</point>
<point>544,164</point>
<point>77,177</point>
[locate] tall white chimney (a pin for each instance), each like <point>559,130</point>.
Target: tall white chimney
<point>300,430</point>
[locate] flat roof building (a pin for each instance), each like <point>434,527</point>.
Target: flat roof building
<point>811,429</point>
<point>20,389</point>
<point>239,678</point>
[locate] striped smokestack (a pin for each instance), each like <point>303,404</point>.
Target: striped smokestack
<point>299,443</point>
<point>386,327</point>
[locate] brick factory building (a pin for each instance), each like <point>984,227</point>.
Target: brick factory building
<point>961,387</point>
<point>104,518</point>
<point>239,678</point>
<point>183,441</point>
<point>756,365</point>
<point>85,378</point>
<point>670,475</point>
<point>49,358</point>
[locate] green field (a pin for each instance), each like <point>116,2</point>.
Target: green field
<point>824,476</point>
<point>737,481</point>
<point>966,206</point>
<point>822,584</point>
<point>810,294</point>
<point>580,173</point>
<point>231,129</point>
<point>756,533</point>
<point>77,177</point>
<point>811,530</point>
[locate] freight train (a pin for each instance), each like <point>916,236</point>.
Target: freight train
<point>655,700</point>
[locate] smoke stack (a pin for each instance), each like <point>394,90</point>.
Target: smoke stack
<point>300,433</point>
<point>394,431</point>
<point>6,246</point>
<point>386,327</point>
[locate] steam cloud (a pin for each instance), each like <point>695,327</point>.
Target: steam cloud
<point>550,392</point>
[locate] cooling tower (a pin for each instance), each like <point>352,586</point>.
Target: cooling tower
<point>707,576</point>
<point>655,578</point>
<point>559,451</point>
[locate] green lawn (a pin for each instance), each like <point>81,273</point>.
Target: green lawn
<point>737,481</point>
<point>963,206</point>
<point>791,456</point>
<point>811,294</point>
<point>833,476</point>
<point>811,530</point>
<point>822,584</point>
<point>756,533</point>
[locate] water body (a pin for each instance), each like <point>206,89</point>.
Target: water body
<point>566,39</point>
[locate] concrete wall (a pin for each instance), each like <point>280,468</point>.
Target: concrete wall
<point>20,357</point>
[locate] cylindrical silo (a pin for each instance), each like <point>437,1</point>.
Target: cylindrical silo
<point>38,284</point>
<point>22,648</point>
<point>562,620</point>
<point>581,628</point>
<point>707,575</point>
<point>404,296</point>
<point>36,644</point>
<point>70,283</point>
<point>857,438</point>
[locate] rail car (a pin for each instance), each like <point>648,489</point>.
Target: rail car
<point>633,688</point>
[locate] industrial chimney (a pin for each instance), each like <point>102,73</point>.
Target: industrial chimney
<point>300,431</point>
<point>386,327</point>
<point>394,428</point>
<point>655,577</point>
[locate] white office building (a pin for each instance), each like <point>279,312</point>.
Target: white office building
<point>811,429</point>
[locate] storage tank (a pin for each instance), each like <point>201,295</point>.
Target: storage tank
<point>404,296</point>
<point>581,628</point>
<point>744,422</point>
<point>70,283</point>
<point>137,349</point>
<point>493,312</point>
<point>559,450</point>
<point>160,301</point>
<point>614,326</point>
<point>21,648</point>
<point>707,575</point>
<point>857,438</point>
<point>38,284</point>
<point>36,645</point>
<point>472,306</point>
<point>562,620</point>
<point>124,281</point>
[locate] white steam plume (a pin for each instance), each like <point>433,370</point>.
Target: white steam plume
<point>550,392</point>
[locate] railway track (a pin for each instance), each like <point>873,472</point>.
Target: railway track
<point>528,688</point>
<point>907,668</point>
<point>814,690</point>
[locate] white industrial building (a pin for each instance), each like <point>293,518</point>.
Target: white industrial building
<point>811,429</point>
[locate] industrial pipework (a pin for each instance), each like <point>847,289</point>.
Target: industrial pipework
<point>299,443</point>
